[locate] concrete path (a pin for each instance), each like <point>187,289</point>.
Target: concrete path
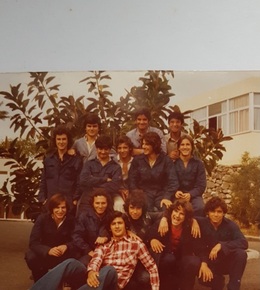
<point>14,274</point>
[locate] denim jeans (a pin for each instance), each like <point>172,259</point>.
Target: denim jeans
<point>75,273</point>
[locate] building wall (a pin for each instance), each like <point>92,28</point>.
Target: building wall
<point>241,142</point>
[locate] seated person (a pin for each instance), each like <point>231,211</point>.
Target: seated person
<point>50,240</point>
<point>191,176</point>
<point>153,172</point>
<point>101,172</point>
<point>111,267</point>
<point>136,209</point>
<point>90,225</point>
<point>174,252</point>
<point>140,222</point>
<point>223,247</point>
<point>142,120</point>
<point>124,149</point>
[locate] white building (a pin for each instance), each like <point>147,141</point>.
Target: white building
<point>236,109</point>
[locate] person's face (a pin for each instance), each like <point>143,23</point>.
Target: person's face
<point>216,216</point>
<point>178,217</point>
<point>142,123</point>
<point>61,142</point>
<point>148,149</point>
<point>185,148</point>
<point>135,212</point>
<point>60,211</point>
<point>175,125</point>
<point>92,130</point>
<point>118,228</point>
<point>103,153</point>
<point>100,204</point>
<point>123,150</point>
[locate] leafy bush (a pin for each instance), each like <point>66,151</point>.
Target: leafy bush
<point>246,191</point>
<point>39,108</point>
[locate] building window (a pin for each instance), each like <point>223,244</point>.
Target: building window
<point>239,114</point>
<point>257,111</point>
<point>217,116</point>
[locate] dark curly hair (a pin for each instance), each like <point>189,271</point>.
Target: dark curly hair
<point>60,130</point>
<point>153,139</point>
<point>143,111</point>
<point>188,137</point>
<point>136,198</point>
<point>117,214</point>
<point>176,115</point>
<point>127,141</point>
<point>101,192</point>
<point>214,203</point>
<point>185,205</point>
<point>103,142</point>
<point>56,200</point>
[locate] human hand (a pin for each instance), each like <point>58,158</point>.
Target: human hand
<point>163,226</point>
<point>71,151</point>
<point>195,229</point>
<point>133,235</point>
<point>55,251</point>
<point>92,279</point>
<point>165,202</point>
<point>62,248</point>
<point>174,154</point>
<point>214,252</point>
<point>101,240</point>
<point>205,273</point>
<point>157,246</point>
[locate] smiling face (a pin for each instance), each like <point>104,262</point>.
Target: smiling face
<point>59,211</point>
<point>175,125</point>
<point>216,216</point>
<point>123,151</point>
<point>103,154</point>
<point>142,123</point>
<point>185,148</point>
<point>148,149</point>
<point>118,228</point>
<point>135,212</point>
<point>61,142</point>
<point>178,217</point>
<point>100,204</point>
<point>92,130</point>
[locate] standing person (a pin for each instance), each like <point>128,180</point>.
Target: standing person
<point>191,175</point>
<point>175,121</point>
<point>61,170</point>
<point>223,248</point>
<point>153,172</point>
<point>124,149</point>
<point>101,172</point>
<point>111,267</point>
<point>142,119</point>
<point>85,145</point>
<point>50,240</point>
<point>90,225</point>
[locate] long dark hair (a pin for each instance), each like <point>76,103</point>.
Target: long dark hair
<point>186,206</point>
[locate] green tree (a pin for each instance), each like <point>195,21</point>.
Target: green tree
<point>37,109</point>
<point>246,190</point>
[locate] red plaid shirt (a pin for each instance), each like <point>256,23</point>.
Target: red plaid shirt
<point>123,255</point>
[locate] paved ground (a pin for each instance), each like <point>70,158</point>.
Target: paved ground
<point>14,274</point>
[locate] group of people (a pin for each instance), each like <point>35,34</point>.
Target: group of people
<point>132,216</point>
